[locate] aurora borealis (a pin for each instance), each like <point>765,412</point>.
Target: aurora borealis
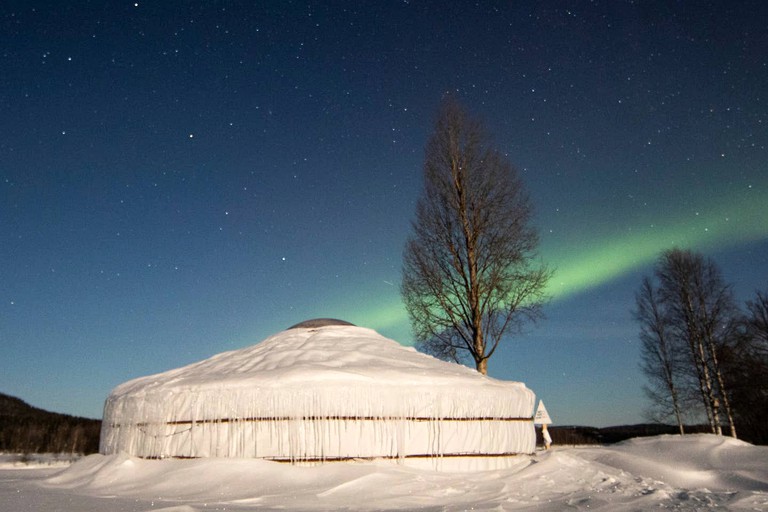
<point>180,178</point>
<point>739,219</point>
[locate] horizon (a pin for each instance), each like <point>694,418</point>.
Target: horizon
<point>182,179</point>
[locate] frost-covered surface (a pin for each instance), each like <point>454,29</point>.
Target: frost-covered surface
<point>321,393</point>
<point>698,472</point>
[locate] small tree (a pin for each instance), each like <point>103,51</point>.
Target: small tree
<point>469,274</point>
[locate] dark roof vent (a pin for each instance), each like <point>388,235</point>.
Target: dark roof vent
<point>319,322</point>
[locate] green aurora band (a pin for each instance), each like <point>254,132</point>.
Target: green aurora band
<point>741,218</point>
<point>738,219</point>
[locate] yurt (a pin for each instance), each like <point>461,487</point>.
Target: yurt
<point>321,391</point>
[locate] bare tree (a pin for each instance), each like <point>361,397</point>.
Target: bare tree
<point>700,312</point>
<point>660,357</point>
<point>469,274</point>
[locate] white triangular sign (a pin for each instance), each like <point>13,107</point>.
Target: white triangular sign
<point>542,416</point>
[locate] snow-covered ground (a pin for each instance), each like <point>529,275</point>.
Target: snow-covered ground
<point>668,472</point>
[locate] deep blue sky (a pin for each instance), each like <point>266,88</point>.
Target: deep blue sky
<point>180,178</point>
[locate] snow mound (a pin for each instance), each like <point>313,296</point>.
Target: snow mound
<point>700,461</point>
<point>641,474</point>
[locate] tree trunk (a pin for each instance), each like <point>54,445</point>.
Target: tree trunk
<point>726,402</point>
<point>699,354</point>
<point>720,381</point>
<point>710,391</point>
<point>482,366</point>
<point>678,415</point>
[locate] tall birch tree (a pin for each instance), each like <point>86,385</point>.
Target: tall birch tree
<point>470,269</point>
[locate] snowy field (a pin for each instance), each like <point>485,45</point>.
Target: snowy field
<point>691,473</point>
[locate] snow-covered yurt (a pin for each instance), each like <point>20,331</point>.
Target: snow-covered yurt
<point>323,390</point>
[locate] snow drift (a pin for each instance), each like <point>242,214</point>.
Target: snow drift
<point>697,472</point>
<point>317,393</point>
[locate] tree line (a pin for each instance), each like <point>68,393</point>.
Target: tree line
<point>705,356</point>
<point>27,429</point>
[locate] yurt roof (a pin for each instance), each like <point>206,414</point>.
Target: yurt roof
<point>330,370</point>
<point>314,352</point>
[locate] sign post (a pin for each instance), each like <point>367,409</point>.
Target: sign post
<point>542,418</point>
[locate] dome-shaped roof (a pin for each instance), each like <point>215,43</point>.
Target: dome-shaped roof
<point>319,322</point>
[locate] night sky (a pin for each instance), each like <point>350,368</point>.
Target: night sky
<point>178,179</point>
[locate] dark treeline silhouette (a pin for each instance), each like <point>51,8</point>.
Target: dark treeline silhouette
<point>27,429</point>
<point>579,435</point>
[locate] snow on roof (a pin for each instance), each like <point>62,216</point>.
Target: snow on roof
<point>332,370</point>
<point>330,354</point>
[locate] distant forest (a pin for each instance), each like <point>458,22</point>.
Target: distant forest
<point>576,435</point>
<point>27,429</point>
